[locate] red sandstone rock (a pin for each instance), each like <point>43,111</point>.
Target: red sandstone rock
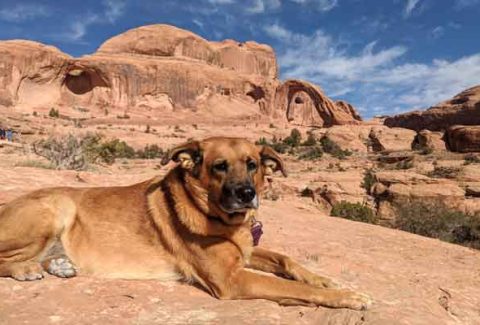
<point>329,113</point>
<point>462,138</point>
<point>463,109</point>
<point>159,69</point>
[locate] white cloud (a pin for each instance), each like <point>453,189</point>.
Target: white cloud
<point>438,32</point>
<point>260,6</point>
<point>379,80</point>
<point>23,12</point>
<point>411,4</point>
<point>199,23</point>
<point>78,29</point>
<point>322,5</point>
<point>114,9</point>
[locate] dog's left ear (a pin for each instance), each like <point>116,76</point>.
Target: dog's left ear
<point>271,161</point>
<point>188,154</point>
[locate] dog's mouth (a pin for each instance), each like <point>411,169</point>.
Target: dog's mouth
<point>233,209</point>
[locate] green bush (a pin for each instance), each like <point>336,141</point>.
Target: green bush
<point>294,139</point>
<point>354,211</point>
<point>54,113</point>
<point>334,149</point>
<point>311,153</point>
<point>434,219</point>
<point>368,180</point>
<point>151,151</point>
<point>75,153</point>
<point>311,141</point>
<point>278,146</point>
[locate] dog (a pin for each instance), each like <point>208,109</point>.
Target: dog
<point>192,225</point>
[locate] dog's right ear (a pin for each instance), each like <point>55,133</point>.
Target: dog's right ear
<point>188,154</point>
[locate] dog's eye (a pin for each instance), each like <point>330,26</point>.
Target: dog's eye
<point>251,165</point>
<point>221,166</point>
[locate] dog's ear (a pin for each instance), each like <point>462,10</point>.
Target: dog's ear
<point>188,154</point>
<point>271,161</point>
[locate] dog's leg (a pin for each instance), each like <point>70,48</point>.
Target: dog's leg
<point>268,261</point>
<point>243,284</point>
<point>57,263</point>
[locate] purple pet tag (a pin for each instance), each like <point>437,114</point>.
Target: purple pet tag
<point>256,231</point>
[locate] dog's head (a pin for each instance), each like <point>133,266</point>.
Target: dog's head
<point>230,171</point>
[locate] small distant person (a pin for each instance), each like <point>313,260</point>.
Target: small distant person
<point>2,134</point>
<point>9,135</point>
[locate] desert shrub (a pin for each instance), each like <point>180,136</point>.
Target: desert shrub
<point>278,146</point>
<point>471,158</point>
<point>294,139</point>
<point>404,164</point>
<point>35,113</point>
<point>54,113</point>
<point>151,151</point>
<point>353,211</point>
<point>311,153</point>
<point>425,151</point>
<point>311,141</point>
<point>75,153</point>
<point>444,172</point>
<point>125,116</point>
<point>63,153</point>
<point>368,180</point>
<point>434,219</point>
<point>334,149</point>
<point>262,142</point>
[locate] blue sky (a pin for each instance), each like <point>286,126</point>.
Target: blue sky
<point>383,56</point>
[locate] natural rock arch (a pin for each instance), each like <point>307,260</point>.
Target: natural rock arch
<point>80,80</point>
<point>327,110</point>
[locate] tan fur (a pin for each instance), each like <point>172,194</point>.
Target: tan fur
<point>165,228</point>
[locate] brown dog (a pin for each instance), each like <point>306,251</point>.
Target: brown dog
<point>194,224</point>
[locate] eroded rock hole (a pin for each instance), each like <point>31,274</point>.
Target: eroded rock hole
<point>256,93</point>
<point>79,82</point>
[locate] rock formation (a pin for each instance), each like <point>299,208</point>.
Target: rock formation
<point>302,99</point>
<point>162,68</point>
<point>429,140</point>
<point>462,138</point>
<point>463,109</point>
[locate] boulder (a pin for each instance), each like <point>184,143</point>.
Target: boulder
<point>463,138</point>
<point>463,109</point>
<point>391,139</point>
<point>347,137</point>
<point>429,140</point>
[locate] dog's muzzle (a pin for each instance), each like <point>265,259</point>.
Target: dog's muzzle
<point>239,198</point>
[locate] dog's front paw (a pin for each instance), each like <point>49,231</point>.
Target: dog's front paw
<point>27,271</point>
<point>353,300</point>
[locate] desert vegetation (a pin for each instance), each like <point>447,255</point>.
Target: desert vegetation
<point>310,149</point>
<point>77,153</point>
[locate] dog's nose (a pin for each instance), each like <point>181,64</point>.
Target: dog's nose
<point>245,193</point>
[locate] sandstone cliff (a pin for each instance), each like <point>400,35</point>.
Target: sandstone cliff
<point>463,109</point>
<point>160,68</point>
